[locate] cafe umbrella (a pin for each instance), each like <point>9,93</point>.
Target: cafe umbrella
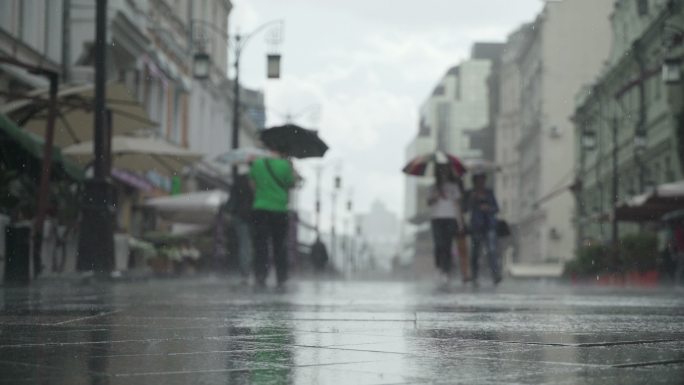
<point>295,141</point>
<point>139,154</point>
<point>75,106</point>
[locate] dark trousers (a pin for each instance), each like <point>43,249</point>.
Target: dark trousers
<point>443,233</point>
<point>270,231</point>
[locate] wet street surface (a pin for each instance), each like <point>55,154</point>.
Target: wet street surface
<point>212,331</point>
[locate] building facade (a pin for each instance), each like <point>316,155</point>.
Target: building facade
<point>507,129</point>
<point>30,33</point>
<point>628,123</point>
<point>457,107</point>
<point>568,43</point>
<point>483,139</point>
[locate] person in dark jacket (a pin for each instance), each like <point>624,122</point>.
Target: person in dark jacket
<point>483,208</point>
<point>241,201</point>
<point>319,255</point>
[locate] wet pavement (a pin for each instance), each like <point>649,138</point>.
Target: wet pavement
<point>213,331</point>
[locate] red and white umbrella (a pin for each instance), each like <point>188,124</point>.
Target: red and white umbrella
<point>424,165</point>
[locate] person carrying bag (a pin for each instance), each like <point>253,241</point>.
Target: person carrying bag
<point>272,179</point>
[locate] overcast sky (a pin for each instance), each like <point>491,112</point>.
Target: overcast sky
<point>369,64</point>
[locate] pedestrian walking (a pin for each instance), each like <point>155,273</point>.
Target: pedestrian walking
<point>483,207</point>
<point>241,201</point>
<point>444,199</point>
<point>272,178</point>
<point>319,255</point>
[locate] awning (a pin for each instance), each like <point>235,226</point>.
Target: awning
<point>651,206</point>
<point>196,208</point>
<point>24,151</point>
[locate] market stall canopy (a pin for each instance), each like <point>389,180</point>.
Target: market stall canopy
<point>243,155</point>
<point>75,104</point>
<point>23,151</point>
<point>139,154</point>
<point>194,208</point>
<point>651,206</point>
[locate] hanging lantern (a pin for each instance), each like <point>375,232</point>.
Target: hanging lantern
<point>588,140</point>
<point>672,70</point>
<point>273,66</point>
<point>201,65</point>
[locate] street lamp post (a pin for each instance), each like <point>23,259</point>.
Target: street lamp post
<point>202,67</point>
<point>348,231</point>
<point>337,184</point>
<point>96,241</point>
<point>614,179</point>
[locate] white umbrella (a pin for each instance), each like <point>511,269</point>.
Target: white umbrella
<point>74,122</point>
<point>139,154</point>
<point>243,155</point>
<point>195,208</point>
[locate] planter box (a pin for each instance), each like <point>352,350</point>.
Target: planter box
<point>632,278</point>
<point>160,265</point>
<point>648,278</point>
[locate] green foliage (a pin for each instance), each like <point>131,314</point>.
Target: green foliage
<point>17,193</point>
<point>639,252</point>
<point>590,260</point>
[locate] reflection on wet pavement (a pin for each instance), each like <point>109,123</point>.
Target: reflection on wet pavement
<point>207,331</point>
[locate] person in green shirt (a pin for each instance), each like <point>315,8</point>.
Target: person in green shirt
<point>272,179</point>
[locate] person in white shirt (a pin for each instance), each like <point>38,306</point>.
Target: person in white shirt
<point>444,199</point>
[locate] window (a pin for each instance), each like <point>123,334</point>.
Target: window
<point>458,89</point>
<point>7,8</point>
<point>53,31</point>
<point>669,173</point>
<point>438,91</point>
<point>176,124</point>
<point>28,31</point>
<point>642,7</point>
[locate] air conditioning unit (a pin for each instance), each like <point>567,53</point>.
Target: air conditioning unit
<point>555,132</point>
<point>554,234</point>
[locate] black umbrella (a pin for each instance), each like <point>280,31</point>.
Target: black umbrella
<point>292,140</point>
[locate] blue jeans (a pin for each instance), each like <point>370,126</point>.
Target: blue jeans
<point>486,239</point>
